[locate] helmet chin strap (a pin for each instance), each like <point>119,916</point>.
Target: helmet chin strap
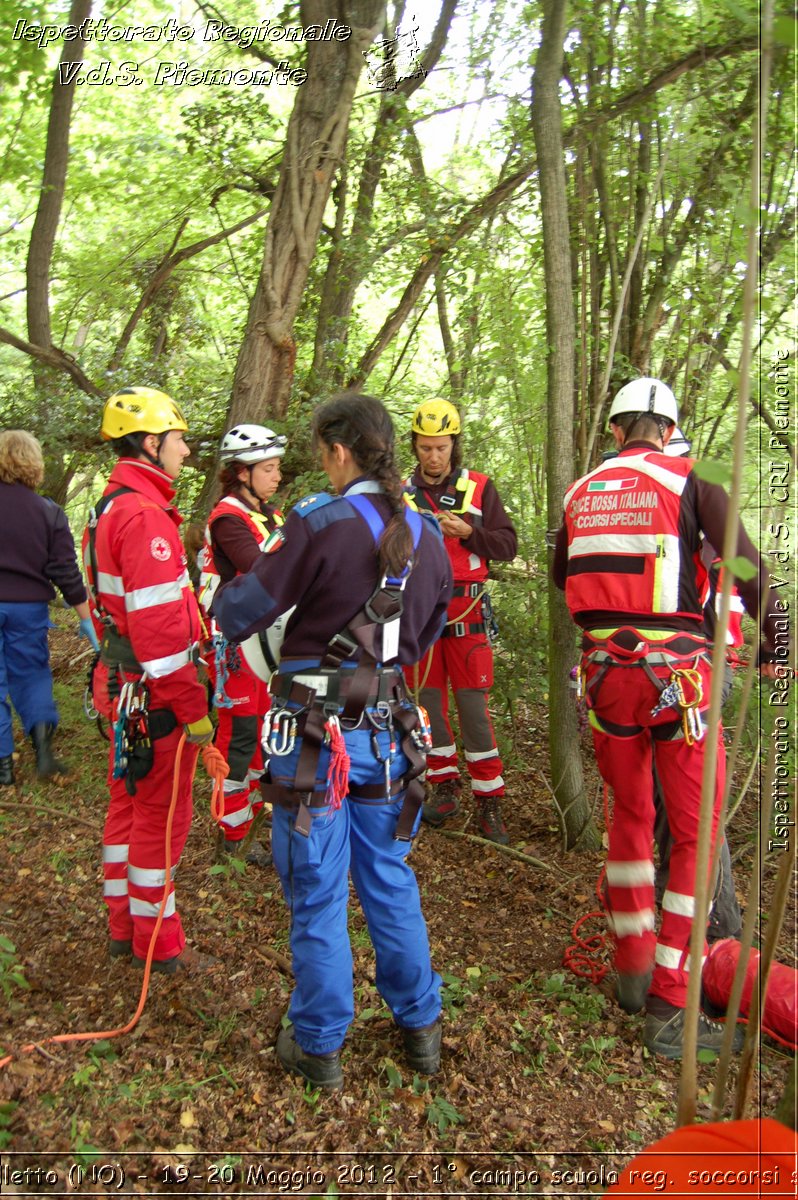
<point>248,485</point>
<point>156,460</point>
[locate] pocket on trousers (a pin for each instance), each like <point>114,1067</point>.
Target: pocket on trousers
<point>479,667</point>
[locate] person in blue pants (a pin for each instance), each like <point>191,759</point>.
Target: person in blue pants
<point>369,581</point>
<point>38,557</point>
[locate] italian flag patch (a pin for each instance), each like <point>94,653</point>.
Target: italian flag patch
<point>611,485</point>
<point>274,542</point>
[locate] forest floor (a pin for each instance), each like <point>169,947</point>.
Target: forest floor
<point>545,1088</point>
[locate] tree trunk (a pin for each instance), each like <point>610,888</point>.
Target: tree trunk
<point>566,764</point>
<point>56,157</point>
<point>314,144</point>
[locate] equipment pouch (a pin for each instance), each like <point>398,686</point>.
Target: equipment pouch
<point>160,723</point>
<point>116,650</point>
<point>140,759</point>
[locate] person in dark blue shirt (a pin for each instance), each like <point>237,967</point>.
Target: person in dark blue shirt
<point>369,582</point>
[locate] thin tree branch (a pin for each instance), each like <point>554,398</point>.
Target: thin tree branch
<point>172,259</point>
<point>507,187</point>
<point>51,356</point>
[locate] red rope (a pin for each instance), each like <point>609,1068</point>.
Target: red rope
<point>338,770</point>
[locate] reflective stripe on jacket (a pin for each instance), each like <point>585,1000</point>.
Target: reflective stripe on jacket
<point>626,550</point>
<point>143,585</point>
<point>260,525</point>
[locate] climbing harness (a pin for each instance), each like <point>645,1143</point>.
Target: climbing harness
<point>135,727</point>
<point>131,732</point>
<point>349,687</point>
<point>682,691</point>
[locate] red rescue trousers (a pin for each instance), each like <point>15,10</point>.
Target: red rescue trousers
<point>625,736</point>
<point>238,737</point>
<point>466,664</point>
<point>134,849</point>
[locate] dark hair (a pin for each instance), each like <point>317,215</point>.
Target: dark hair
<point>641,425</point>
<point>364,426</point>
<point>130,444</point>
<point>228,477</point>
<point>457,450</point>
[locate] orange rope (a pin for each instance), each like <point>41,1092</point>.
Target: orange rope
<point>211,757</point>
<point>214,762</point>
<point>582,955</point>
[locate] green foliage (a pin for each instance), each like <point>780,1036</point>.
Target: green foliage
<point>155,170</point>
<point>11,973</point>
<point>7,1110</point>
<point>442,1114</point>
<point>713,472</point>
<point>740,567</point>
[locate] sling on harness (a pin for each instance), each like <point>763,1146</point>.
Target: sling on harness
<point>315,704</point>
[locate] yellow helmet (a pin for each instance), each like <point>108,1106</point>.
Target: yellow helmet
<point>436,418</point>
<point>140,410</point>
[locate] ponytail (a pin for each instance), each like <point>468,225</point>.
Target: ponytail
<point>364,426</point>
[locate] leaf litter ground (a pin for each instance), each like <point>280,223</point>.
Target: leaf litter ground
<point>544,1086</point>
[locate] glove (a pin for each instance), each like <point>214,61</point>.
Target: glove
<point>199,733</point>
<point>86,629</point>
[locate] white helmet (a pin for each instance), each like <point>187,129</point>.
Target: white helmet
<point>646,395</point>
<point>678,445</point>
<point>251,444</point>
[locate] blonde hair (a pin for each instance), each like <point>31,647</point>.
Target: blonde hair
<point>21,459</point>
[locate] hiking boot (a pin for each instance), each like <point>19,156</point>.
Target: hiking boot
<point>423,1048</point>
<point>7,772</point>
<point>491,823</point>
<point>631,991</point>
<point>256,856</point>
<point>189,962</point>
<point>664,1031</point>
<point>120,947</point>
<point>47,764</point>
<point>322,1070</point>
<point>443,802</point>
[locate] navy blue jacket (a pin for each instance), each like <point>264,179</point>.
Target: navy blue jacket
<point>325,563</point>
<point>38,549</point>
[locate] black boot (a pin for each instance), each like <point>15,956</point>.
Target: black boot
<point>47,764</point>
<point>7,772</point>
<point>423,1048</point>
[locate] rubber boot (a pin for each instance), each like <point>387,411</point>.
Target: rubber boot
<point>7,772</point>
<point>47,764</point>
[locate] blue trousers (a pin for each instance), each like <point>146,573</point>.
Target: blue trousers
<point>314,872</point>
<point>25,677</point>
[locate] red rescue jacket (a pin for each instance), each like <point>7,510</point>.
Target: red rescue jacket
<point>143,585</point>
<point>260,525</point>
<point>626,551</point>
<point>465,493</point>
